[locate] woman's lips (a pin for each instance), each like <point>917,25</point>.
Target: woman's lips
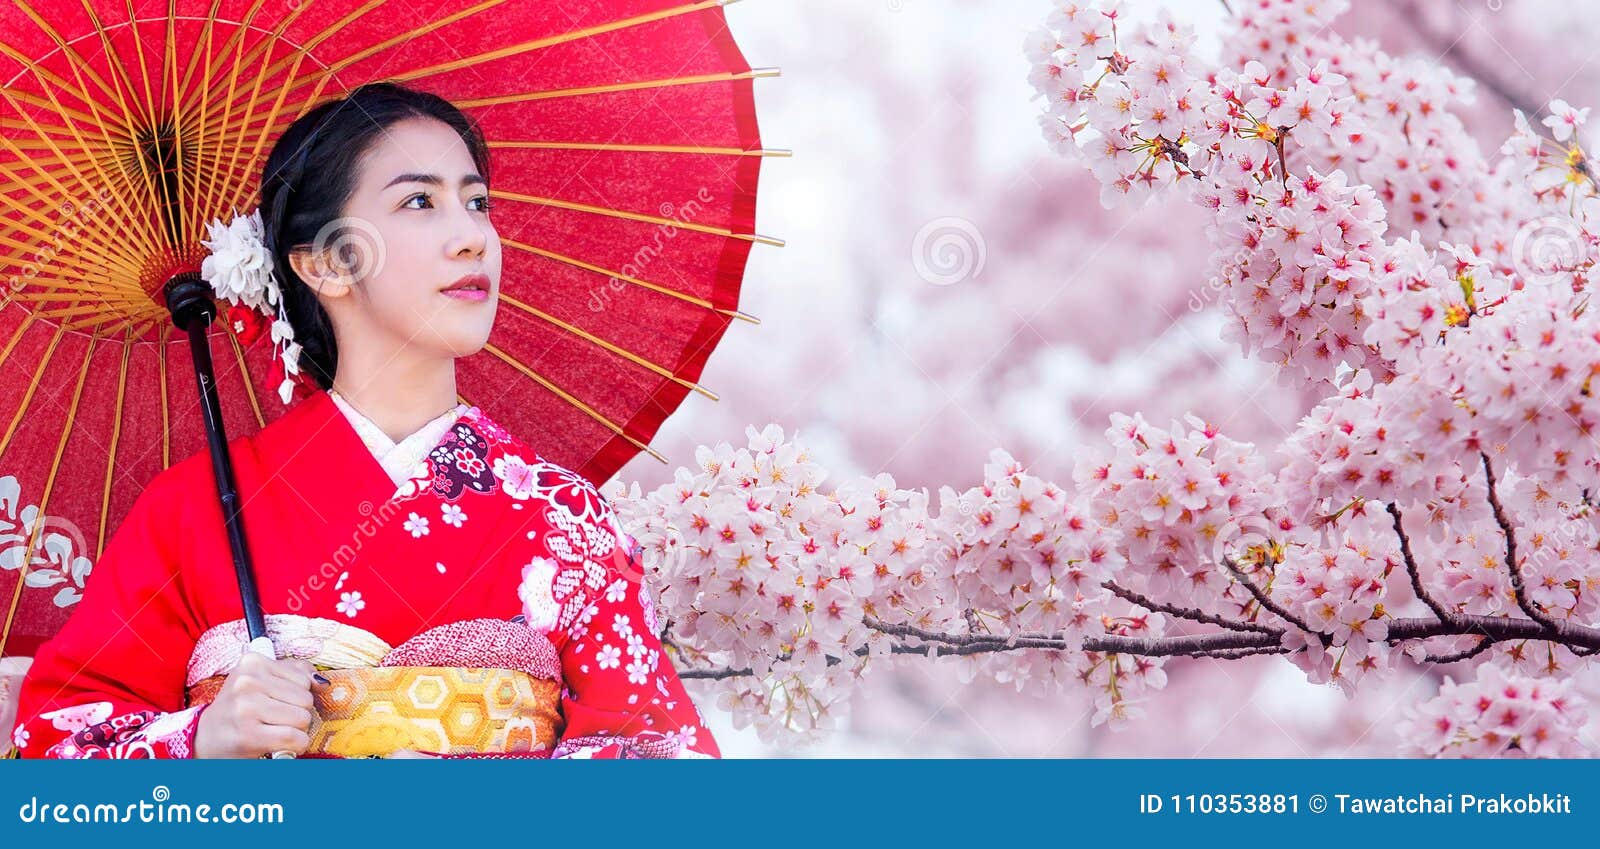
<point>473,295</point>
<point>471,287</point>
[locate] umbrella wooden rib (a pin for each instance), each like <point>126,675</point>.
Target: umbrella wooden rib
<point>95,299</point>
<point>329,71</point>
<point>183,103</point>
<point>612,88</point>
<point>113,260</point>
<point>49,486</point>
<point>323,76</point>
<point>133,308</point>
<point>22,249</point>
<point>637,216</point>
<point>186,233</point>
<point>609,346</point>
<point>111,324</point>
<point>639,148</point>
<point>116,438</point>
<point>97,308</point>
<point>56,166</point>
<point>33,387</point>
<point>563,38</point>
<point>166,414</point>
<point>13,180</point>
<point>80,68</point>
<point>230,130</point>
<point>302,52</point>
<point>140,239</point>
<point>571,399</point>
<point>234,42</point>
<point>16,335</point>
<point>618,275</point>
<point>56,81</point>
<point>65,46</point>
<point>45,103</point>
<point>95,236</point>
<point>105,283</point>
<point>45,133</point>
<point>244,372</point>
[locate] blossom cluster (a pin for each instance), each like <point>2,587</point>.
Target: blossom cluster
<point>1435,297</point>
<point>1440,295</point>
<point>1499,715</point>
<point>763,569</point>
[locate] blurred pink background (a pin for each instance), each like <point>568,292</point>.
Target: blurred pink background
<point>913,118</point>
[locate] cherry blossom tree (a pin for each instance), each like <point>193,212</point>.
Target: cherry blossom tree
<point>1434,509</point>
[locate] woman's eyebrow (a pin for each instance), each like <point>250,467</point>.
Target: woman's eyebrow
<point>434,179</point>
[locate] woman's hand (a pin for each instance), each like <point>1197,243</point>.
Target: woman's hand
<point>264,706</point>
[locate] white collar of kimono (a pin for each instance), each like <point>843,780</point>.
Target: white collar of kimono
<point>398,459</point>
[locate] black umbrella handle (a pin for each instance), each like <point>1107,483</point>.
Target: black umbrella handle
<point>189,299</point>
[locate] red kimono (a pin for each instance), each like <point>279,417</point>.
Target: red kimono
<point>488,561</point>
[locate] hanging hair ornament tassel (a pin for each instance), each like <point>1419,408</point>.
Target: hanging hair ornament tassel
<point>240,272</point>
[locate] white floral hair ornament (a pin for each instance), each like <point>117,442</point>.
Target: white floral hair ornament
<point>240,271</point>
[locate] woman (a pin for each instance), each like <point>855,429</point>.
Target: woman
<point>432,586</point>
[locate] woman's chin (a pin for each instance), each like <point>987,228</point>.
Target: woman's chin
<point>467,344</point>
<point>468,336</point>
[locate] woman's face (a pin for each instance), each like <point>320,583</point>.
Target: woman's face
<point>416,224</point>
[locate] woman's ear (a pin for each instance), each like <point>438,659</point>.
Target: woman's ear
<point>325,277</point>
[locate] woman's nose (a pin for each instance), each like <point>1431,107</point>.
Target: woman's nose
<point>471,236</point>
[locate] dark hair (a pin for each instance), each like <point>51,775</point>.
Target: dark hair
<point>309,177</point>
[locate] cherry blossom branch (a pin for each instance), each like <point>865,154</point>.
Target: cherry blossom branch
<point>1190,613</point>
<point>1178,155</point>
<point>1510,533</point>
<point>1455,657</point>
<point>1227,645</point>
<point>1450,49</point>
<point>1263,599</point>
<point>1415,572</point>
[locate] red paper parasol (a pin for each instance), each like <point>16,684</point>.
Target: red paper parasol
<point>626,156</point>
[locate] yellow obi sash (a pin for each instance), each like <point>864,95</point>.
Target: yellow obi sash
<point>480,686</point>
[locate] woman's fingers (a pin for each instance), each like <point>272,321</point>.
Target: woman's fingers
<point>289,692</point>
<point>284,714</point>
<point>278,738</point>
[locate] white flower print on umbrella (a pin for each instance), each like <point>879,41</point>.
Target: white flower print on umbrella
<point>610,657</point>
<point>417,525</point>
<point>453,516</point>
<point>638,672</point>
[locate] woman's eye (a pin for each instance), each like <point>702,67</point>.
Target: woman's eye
<point>484,203</point>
